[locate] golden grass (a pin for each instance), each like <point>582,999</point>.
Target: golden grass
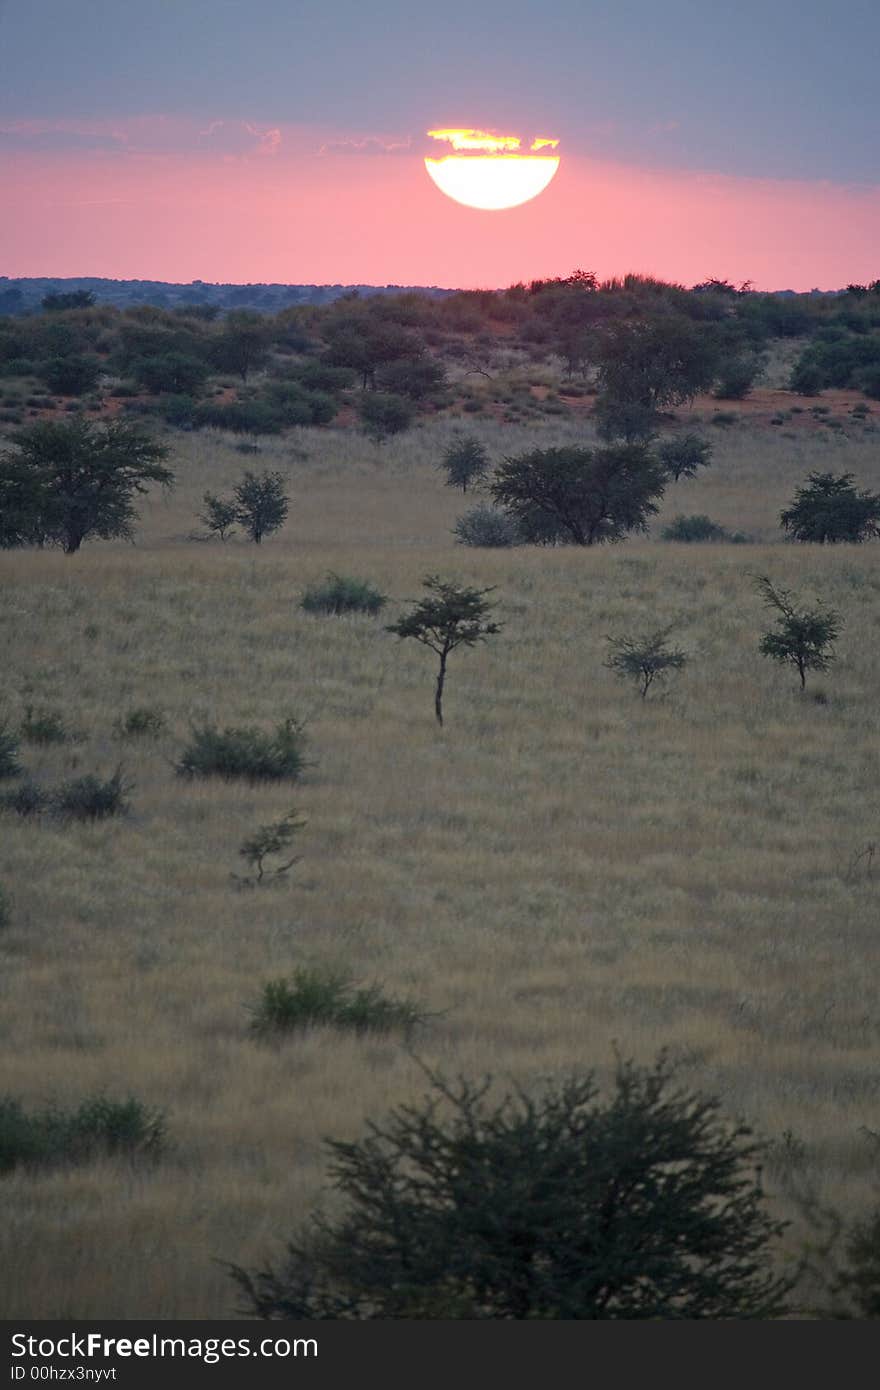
<point>563,867</point>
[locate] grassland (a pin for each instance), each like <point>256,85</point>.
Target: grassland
<point>562,869</point>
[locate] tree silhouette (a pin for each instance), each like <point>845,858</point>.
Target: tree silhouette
<point>449,616</point>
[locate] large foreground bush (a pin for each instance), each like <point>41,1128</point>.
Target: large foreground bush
<point>247,752</point>
<point>643,1204</point>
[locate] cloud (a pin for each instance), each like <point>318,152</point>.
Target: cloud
<point>370,145</point>
<point>58,136</point>
<point>238,139</point>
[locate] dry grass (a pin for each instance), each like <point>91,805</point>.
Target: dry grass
<point>564,866</point>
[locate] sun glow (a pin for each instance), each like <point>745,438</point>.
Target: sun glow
<point>488,171</point>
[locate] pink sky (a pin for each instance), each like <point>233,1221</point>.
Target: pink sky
<point>236,202</point>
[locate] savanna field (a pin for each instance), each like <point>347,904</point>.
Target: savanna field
<point>563,872</point>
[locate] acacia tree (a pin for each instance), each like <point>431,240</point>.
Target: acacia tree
<point>466,462</point>
<point>682,454</point>
<point>261,504</point>
<point>642,1204</point>
<point>589,495</point>
<point>243,344</point>
<point>803,637</point>
<point>66,481</point>
<point>830,509</point>
<point>449,616</point>
<point>647,365</point>
<point>644,659</point>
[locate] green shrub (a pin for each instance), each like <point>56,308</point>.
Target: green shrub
<point>28,799</point>
<point>242,417</point>
<point>141,722</point>
<point>245,752</point>
<point>45,728</point>
<point>340,594</point>
<point>9,764</point>
<point>723,418</point>
<point>89,798</point>
<point>18,366</point>
<point>99,1127</point>
<point>71,376</point>
<point>645,1204</point>
<point>701,528</point>
<point>737,377</point>
<point>326,998</point>
<point>486,526</point>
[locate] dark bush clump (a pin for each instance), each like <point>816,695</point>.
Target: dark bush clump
<point>339,594</point>
<point>701,528</point>
<point>28,799</point>
<point>98,1127</point>
<point>141,722</point>
<point>9,764</point>
<point>246,752</point>
<point>329,999</point>
<point>488,527</point>
<point>89,798</point>
<point>44,728</point>
<point>5,908</point>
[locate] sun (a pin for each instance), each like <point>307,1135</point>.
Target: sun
<point>491,171</point>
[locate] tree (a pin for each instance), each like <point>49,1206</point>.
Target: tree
<point>243,344</point>
<point>68,481</point>
<point>449,616</point>
<point>261,504</point>
<point>466,462</point>
<point>645,658</point>
<point>682,454</point>
<point>384,415</point>
<point>650,364</point>
<point>830,509</point>
<point>56,302</point>
<point>561,1205</point>
<point>802,637</point>
<point>413,377</point>
<point>268,841</point>
<point>592,495</point>
<point>219,516</point>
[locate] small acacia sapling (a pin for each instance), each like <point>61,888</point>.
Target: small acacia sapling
<point>270,840</point>
<point>449,616</point>
<point>645,658</point>
<point>803,637</point>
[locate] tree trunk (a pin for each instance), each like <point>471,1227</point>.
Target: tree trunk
<point>438,695</point>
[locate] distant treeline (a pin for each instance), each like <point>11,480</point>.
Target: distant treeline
<point>25,296</point>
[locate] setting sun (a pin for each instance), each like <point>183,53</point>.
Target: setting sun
<point>488,171</point>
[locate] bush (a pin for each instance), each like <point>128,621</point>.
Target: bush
<point>71,376</point>
<point>807,379</point>
<point>247,752</point>
<point>177,373</point>
<point>803,637</point>
<point>45,728</point>
<point>9,764</point>
<point>339,594</point>
<point>737,377</point>
<point>89,798</point>
<point>487,526</point>
<point>242,417</point>
<point>562,1205</point>
<point>28,799</point>
<point>701,528</point>
<point>141,722</point>
<point>267,842</point>
<point>325,998</point>
<point>97,1128</point>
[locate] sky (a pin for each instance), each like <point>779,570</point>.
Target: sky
<point>283,140</point>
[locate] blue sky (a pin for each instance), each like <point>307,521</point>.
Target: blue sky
<point>782,89</point>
